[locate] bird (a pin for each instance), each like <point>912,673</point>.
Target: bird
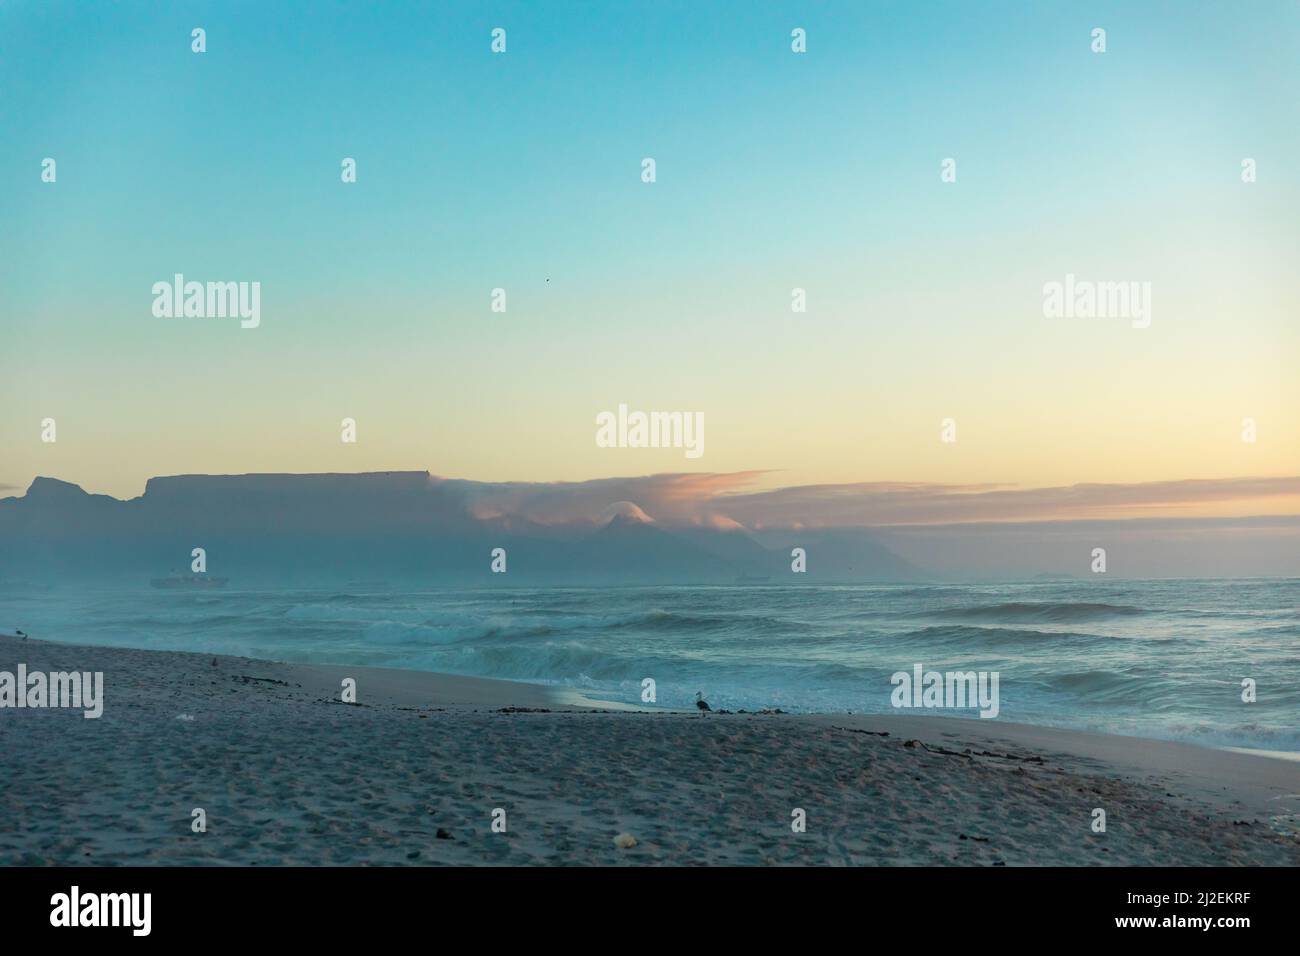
<point>19,633</point>
<point>700,702</point>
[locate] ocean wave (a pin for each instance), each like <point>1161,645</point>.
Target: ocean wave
<point>1097,686</point>
<point>968,634</point>
<point>1046,612</point>
<point>1272,630</point>
<point>659,619</point>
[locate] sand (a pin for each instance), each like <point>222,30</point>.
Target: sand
<point>288,774</point>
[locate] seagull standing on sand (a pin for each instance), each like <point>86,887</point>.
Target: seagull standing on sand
<point>700,702</point>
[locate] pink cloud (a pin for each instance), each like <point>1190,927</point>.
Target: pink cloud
<point>726,500</point>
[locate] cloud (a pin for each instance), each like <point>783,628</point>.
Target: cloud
<point>680,499</point>
<point>729,500</point>
<point>879,504</point>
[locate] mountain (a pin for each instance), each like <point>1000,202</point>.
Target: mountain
<point>409,527</point>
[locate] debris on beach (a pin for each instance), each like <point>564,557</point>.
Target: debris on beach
<point>246,678</point>
<point>872,733</point>
<point>969,754</point>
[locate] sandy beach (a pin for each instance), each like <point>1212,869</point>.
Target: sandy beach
<point>412,774</point>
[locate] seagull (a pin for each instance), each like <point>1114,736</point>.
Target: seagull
<point>700,702</point>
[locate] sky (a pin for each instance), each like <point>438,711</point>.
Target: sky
<point>775,170</point>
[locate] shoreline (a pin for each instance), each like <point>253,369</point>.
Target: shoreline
<point>287,773</point>
<point>405,687</point>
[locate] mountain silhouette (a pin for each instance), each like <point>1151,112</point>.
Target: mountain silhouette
<point>409,527</point>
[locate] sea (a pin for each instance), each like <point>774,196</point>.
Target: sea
<point>1158,658</point>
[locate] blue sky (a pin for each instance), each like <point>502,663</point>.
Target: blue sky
<point>521,171</point>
